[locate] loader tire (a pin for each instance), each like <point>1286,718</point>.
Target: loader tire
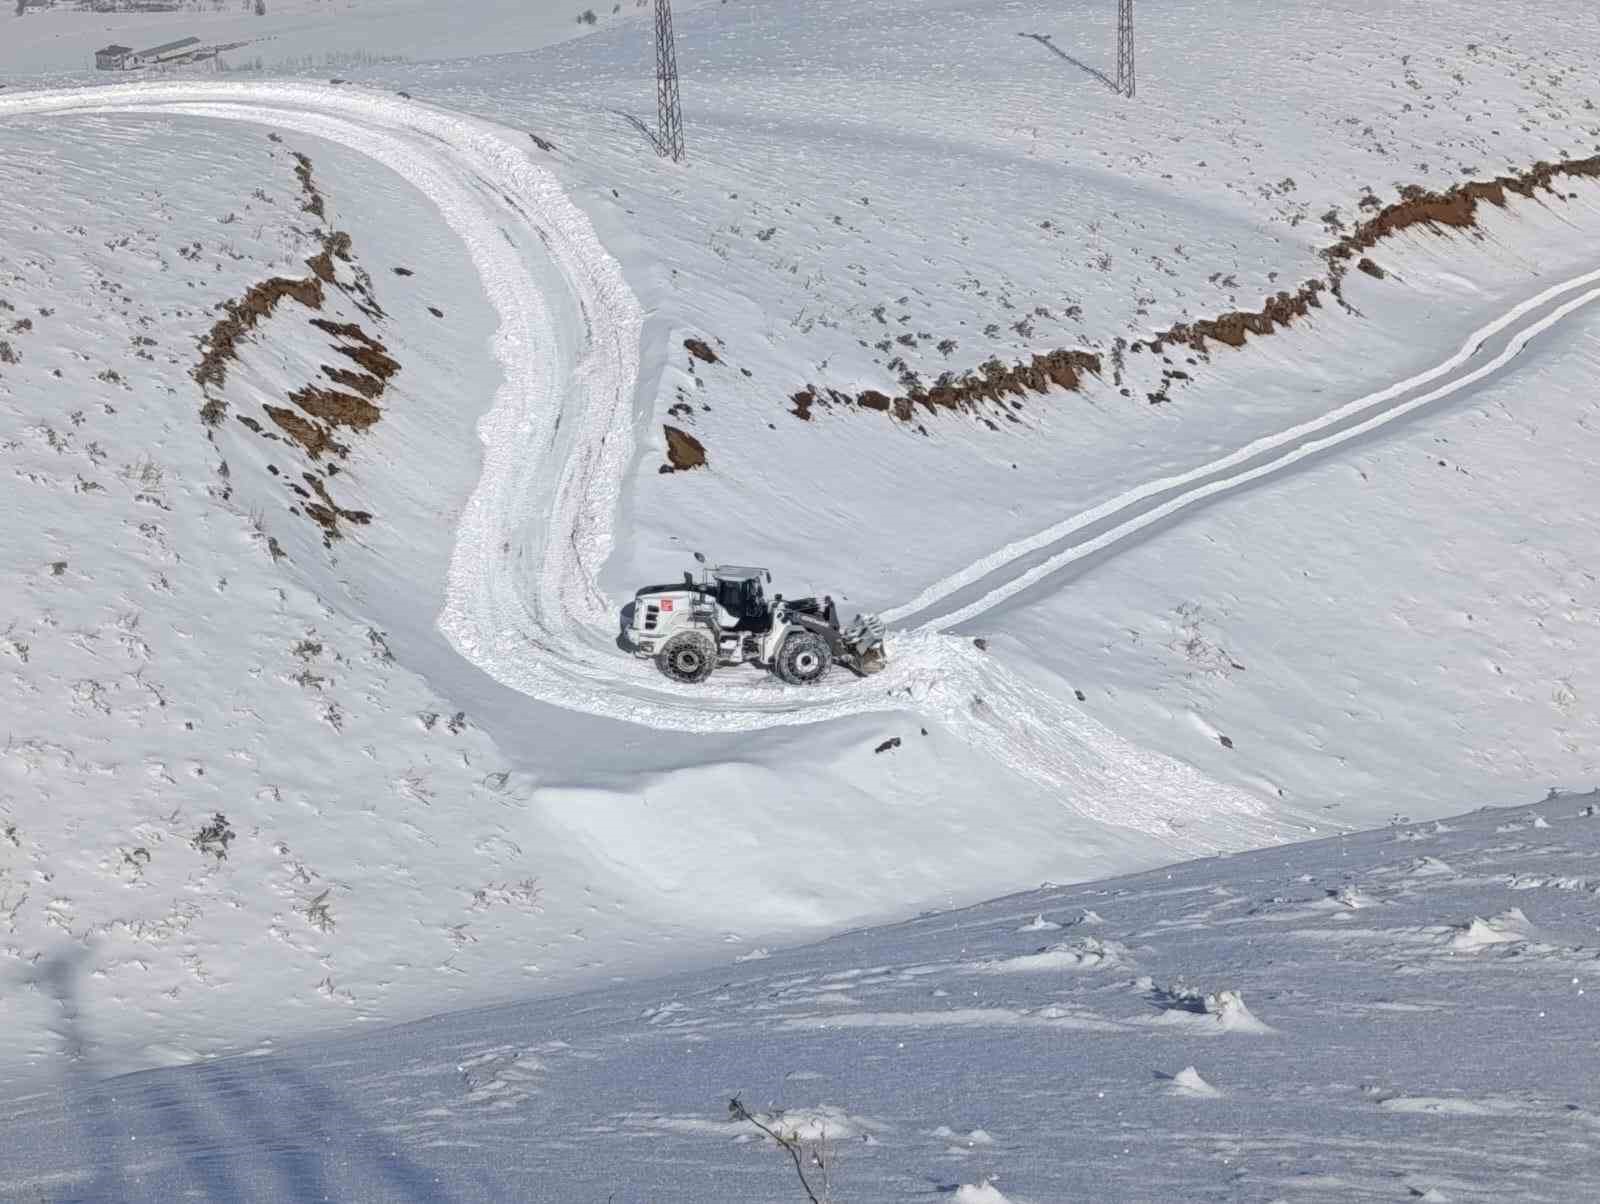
<point>689,657</point>
<point>804,659</point>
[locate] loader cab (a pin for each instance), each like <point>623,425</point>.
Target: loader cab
<point>741,602</point>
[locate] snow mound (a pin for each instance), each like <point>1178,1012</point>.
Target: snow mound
<point>1509,927</point>
<point>1231,1015</point>
<point>1086,953</point>
<point>1188,1083</point>
<point>1220,1012</point>
<point>979,1193</point>
<point>1039,924</point>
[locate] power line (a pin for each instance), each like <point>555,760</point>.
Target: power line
<point>669,110</point>
<point>1125,47</point>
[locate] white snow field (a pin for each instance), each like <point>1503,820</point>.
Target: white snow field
<point>316,715</point>
<point>1396,1015</point>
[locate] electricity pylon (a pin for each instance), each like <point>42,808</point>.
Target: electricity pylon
<point>669,110</point>
<point>1125,47</point>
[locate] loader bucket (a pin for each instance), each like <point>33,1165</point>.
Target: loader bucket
<point>871,661</point>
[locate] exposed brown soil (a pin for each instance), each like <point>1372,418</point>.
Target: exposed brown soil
<point>332,408</point>
<point>700,350</point>
<point>328,513</point>
<point>368,386</point>
<point>373,357</point>
<point>368,352</point>
<point>684,451</point>
<point>994,384</point>
<point>312,436</point>
<point>321,265</point>
<point>1231,328</point>
<point>313,202</point>
<point>342,330</point>
<point>335,245</point>
<point>336,408</point>
<point>242,316</point>
<point>1456,208</point>
<point>320,410</point>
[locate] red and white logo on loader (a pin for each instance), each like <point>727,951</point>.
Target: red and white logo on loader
<point>666,604</point>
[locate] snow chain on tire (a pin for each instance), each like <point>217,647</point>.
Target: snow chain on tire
<point>689,657</point>
<point>804,659</point>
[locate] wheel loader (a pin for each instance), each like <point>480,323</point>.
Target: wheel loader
<point>722,616</point>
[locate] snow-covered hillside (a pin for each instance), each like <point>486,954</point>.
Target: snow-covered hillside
<point>319,803</point>
<point>336,423</point>
<point>884,194</point>
<point>1397,1015</point>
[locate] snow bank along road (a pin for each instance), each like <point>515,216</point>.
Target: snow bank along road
<point>522,602</point>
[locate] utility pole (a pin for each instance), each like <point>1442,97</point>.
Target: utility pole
<point>1125,47</point>
<point>669,111</point>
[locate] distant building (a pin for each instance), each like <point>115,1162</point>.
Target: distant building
<point>112,58</point>
<point>171,52</point>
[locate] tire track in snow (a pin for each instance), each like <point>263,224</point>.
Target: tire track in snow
<point>1002,575</point>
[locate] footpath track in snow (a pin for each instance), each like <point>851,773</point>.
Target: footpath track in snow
<point>522,603</point>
